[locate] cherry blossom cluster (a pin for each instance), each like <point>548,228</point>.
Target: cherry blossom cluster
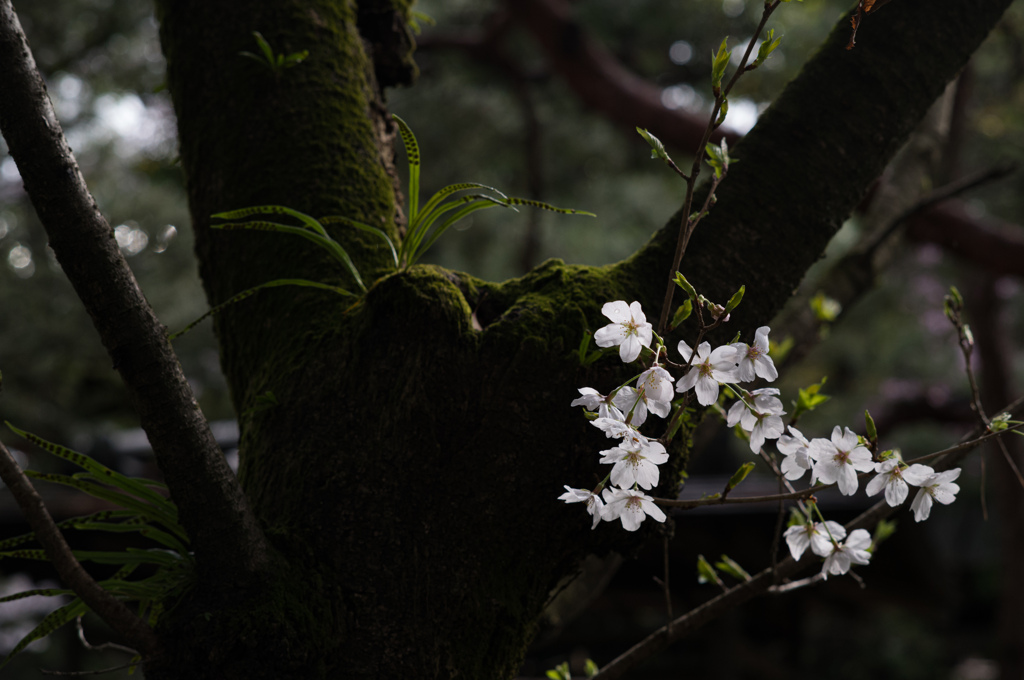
<point>635,459</point>
<point>758,414</point>
<point>837,460</point>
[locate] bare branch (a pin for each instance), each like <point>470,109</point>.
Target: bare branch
<point>601,81</point>
<point>986,242</point>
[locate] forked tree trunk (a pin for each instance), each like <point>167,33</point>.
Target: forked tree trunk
<point>407,477</point>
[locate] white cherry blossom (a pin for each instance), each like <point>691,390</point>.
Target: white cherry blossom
<point>938,486</point>
<point>630,401</point>
<point>592,400</point>
<point>631,507</point>
<point>656,384</point>
<point>795,450</point>
<point>595,505</point>
<point>628,329</point>
<point>709,368</point>
<point>614,428</point>
<point>760,418</point>
<point>839,460</point>
<point>852,551</point>
<point>635,465</point>
<point>753,359</point>
<point>894,479</point>
<point>816,535</point>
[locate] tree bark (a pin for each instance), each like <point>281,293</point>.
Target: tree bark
<point>408,475</point>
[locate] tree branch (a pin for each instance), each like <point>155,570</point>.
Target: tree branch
<point>986,242</point>
<point>113,612</point>
<point>211,504</point>
<point>767,578</point>
<point>601,82</point>
<point>608,87</point>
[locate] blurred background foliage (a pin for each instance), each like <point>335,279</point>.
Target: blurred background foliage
<point>497,113</point>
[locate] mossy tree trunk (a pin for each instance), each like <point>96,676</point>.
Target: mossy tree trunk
<point>407,477</point>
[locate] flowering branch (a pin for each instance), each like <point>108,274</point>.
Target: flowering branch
<point>689,222</point>
<point>764,581</point>
<point>809,493</point>
<point>720,499</point>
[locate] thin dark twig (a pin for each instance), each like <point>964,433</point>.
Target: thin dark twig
<point>777,538</point>
<point>1010,461</point>
<point>686,227</point>
<point>719,500</point>
<point>794,585</point>
<point>943,193</point>
<point>665,583</point>
<point>984,498</point>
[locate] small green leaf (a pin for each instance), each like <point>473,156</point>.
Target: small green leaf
<point>825,308</point>
<point>264,46</point>
<point>584,346</point>
<point>869,426</point>
<point>722,113</point>
<point>735,300</point>
<point>1000,422</point>
<point>739,476</point>
<point>705,572</point>
<point>796,518</point>
<point>718,157</point>
<point>560,672</point>
<point>718,63</point>
<point>883,530</point>
<point>778,350</point>
<point>958,299</point>
<point>890,453</point>
<point>732,568</point>
<point>682,314</point>
<point>657,148</point>
<point>766,47</point>
<point>590,668</point>
<point>681,281</point>
<point>295,58</point>
<point>809,399</point>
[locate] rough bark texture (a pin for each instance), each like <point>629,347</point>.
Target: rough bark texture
<point>210,502</point>
<point>407,477</point>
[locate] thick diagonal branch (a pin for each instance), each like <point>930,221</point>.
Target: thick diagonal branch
<point>211,504</point>
<point>601,81</point>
